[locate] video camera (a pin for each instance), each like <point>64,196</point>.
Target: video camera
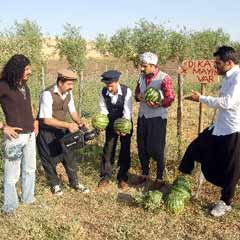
<point>71,141</point>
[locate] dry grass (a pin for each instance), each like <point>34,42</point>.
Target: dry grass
<point>112,214</point>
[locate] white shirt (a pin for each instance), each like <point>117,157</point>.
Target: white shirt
<point>46,102</point>
<point>127,107</point>
<point>228,104</point>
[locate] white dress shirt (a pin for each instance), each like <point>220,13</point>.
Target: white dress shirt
<point>228,104</point>
<point>46,102</point>
<point>127,107</point>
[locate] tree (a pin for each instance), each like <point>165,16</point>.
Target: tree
<point>179,44</point>
<point>73,46</point>
<point>204,43</point>
<point>102,44</point>
<point>121,44</point>
<point>23,38</point>
<point>128,43</point>
<point>236,46</point>
<point>150,37</point>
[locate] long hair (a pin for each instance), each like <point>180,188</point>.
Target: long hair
<point>13,71</point>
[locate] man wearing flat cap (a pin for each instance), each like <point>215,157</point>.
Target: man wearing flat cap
<point>54,104</point>
<point>115,101</point>
<point>152,116</point>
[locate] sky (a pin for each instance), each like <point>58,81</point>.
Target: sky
<point>108,16</point>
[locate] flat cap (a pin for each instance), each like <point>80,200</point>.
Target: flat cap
<point>67,74</point>
<point>110,76</point>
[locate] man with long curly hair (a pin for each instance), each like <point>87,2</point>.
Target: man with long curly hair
<point>19,132</point>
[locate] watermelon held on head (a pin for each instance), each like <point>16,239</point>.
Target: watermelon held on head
<point>122,125</point>
<point>152,95</point>
<point>100,121</point>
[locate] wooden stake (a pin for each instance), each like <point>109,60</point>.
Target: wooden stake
<point>200,120</point>
<point>179,116</point>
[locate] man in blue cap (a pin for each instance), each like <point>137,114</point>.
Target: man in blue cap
<point>115,101</point>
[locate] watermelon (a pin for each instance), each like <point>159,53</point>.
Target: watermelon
<point>152,95</point>
<point>100,121</point>
<point>181,180</point>
<point>174,204</point>
<point>122,125</point>
<point>181,191</point>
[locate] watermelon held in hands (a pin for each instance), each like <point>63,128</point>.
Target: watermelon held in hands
<point>100,121</point>
<point>122,125</point>
<point>152,95</point>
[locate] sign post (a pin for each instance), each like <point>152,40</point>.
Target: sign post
<point>203,72</point>
<point>200,71</point>
<point>179,115</point>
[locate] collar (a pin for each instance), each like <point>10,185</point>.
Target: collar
<point>119,92</point>
<point>232,70</point>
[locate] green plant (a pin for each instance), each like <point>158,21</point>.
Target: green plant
<point>25,38</point>
<point>102,44</point>
<point>151,200</point>
<point>72,46</point>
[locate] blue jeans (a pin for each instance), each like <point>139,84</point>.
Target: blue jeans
<point>19,157</point>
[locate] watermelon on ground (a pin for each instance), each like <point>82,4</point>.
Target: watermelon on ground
<point>182,181</point>
<point>174,204</point>
<point>181,191</point>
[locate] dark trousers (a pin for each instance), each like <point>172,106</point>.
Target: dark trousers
<point>151,139</point>
<point>220,160</point>
<point>109,154</point>
<point>51,153</point>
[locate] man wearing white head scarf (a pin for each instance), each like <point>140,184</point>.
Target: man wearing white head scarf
<point>152,116</point>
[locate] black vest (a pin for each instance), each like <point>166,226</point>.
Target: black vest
<point>115,110</point>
